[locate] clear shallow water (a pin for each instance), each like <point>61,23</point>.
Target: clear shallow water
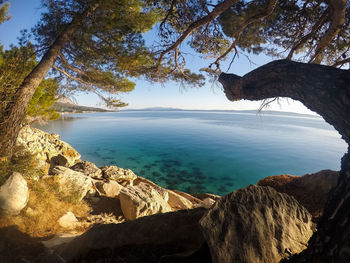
<point>201,151</point>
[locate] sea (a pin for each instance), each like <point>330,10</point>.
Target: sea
<point>203,151</point>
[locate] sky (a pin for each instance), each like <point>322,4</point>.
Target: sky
<point>26,13</point>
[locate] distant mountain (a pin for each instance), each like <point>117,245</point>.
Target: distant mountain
<point>282,113</point>
<point>73,108</point>
<point>65,100</point>
<point>155,109</point>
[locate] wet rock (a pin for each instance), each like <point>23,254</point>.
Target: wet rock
<point>142,200</point>
<point>311,190</point>
<point>146,239</point>
<point>72,183</point>
<point>88,168</point>
<point>122,176</point>
<point>256,224</point>
<point>109,189</point>
<point>14,194</point>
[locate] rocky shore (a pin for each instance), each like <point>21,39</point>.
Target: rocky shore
<point>131,219</point>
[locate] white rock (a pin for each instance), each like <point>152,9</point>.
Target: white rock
<point>44,146</point>
<point>14,194</point>
<point>178,202</point>
<point>122,176</point>
<point>68,221</point>
<point>72,183</point>
<point>109,189</point>
<point>142,200</point>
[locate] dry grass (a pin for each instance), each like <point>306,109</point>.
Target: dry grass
<point>44,208</point>
<point>46,203</point>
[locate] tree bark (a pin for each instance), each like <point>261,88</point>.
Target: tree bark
<point>325,90</point>
<point>15,112</point>
<point>16,109</point>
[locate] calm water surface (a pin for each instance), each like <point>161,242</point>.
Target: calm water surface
<point>201,151</point>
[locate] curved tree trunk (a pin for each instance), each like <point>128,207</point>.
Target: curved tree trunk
<point>15,112</point>
<point>325,90</point>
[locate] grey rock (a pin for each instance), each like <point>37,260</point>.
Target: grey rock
<point>122,176</point>
<point>88,168</point>
<point>256,224</point>
<point>72,183</point>
<point>145,239</point>
<point>142,200</point>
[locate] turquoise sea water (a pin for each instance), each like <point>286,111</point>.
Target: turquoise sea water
<point>203,151</point>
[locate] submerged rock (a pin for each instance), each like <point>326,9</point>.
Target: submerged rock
<point>45,146</point>
<point>122,176</point>
<point>311,190</point>
<point>14,194</point>
<point>87,168</point>
<point>142,200</point>
<point>147,239</point>
<point>72,183</point>
<point>256,224</point>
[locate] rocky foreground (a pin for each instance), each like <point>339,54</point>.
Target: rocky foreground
<point>131,219</point>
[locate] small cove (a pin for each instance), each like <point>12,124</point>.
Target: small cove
<point>203,151</point>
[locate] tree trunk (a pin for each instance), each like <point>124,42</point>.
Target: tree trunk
<point>15,112</point>
<point>325,90</point>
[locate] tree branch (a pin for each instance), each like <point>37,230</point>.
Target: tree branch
<point>220,8</point>
<point>271,6</point>
<point>323,89</point>
<point>337,16</point>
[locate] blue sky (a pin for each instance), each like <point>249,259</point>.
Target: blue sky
<point>26,13</point>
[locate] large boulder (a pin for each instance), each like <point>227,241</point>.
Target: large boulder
<point>72,183</point>
<point>45,146</point>
<point>176,201</point>
<point>142,200</point>
<point>256,225</point>
<point>311,190</point>
<point>146,239</point>
<point>122,176</point>
<point>87,168</point>
<point>14,194</point>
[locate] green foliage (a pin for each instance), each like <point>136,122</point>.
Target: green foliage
<point>15,64</point>
<point>3,12</point>
<point>43,100</point>
<point>293,30</point>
